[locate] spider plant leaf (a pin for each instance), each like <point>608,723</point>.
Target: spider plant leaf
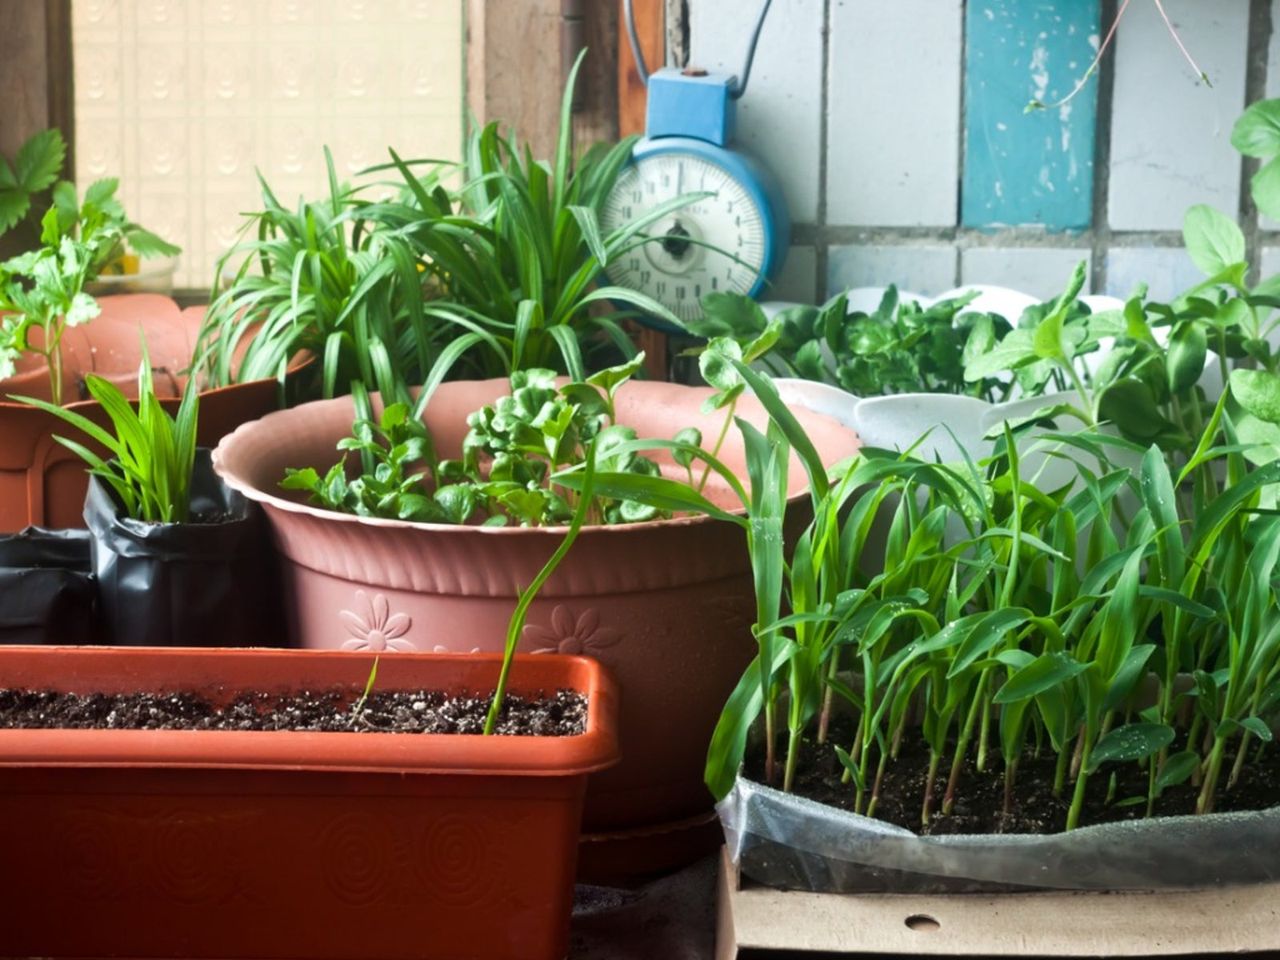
<point>567,340</point>
<point>590,228</point>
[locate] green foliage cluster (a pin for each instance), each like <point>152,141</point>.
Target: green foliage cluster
<point>495,276</point>
<point>42,290</point>
<point>509,456</point>
<point>1011,619</point>
<point>150,453</point>
<point>901,347</point>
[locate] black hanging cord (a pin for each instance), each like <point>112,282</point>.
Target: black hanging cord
<point>737,87</point>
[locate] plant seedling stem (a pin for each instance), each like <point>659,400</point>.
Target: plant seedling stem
<point>984,735</point>
<point>1240,758</point>
<point>793,757</point>
<point>926,808</point>
<point>1060,771</point>
<point>770,758</point>
<point>1082,781</point>
<point>1010,778</point>
<point>962,745</point>
<point>1204,802</point>
<point>875,787</point>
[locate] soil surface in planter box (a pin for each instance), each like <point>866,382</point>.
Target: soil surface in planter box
<point>980,796</point>
<point>563,714</point>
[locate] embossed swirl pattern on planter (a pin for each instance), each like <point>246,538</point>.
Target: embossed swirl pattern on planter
<point>375,628</point>
<point>356,865</point>
<point>569,634</point>
<point>456,860</point>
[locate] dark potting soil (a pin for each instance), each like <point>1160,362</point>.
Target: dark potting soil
<point>979,802</point>
<point>563,714</point>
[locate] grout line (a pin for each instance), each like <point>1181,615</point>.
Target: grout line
<point>1101,237</point>
<point>1255,86</point>
<point>963,129</point>
<point>824,104</point>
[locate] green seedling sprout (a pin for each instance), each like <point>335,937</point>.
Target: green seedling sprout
<point>516,625</point>
<point>358,706</point>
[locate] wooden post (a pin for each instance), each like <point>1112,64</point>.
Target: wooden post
<point>35,77</point>
<point>650,27</point>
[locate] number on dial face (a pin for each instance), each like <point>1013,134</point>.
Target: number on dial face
<point>713,244</point>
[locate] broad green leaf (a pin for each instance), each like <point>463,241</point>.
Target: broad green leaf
<point>39,160</point>
<point>853,769</point>
<point>1258,392</point>
<point>1214,241</point>
<point>1188,348</point>
<point>1177,769</point>
<point>1265,186</point>
<point>1049,670</point>
<point>1257,132</point>
<point>1130,405</point>
<point>1131,742</point>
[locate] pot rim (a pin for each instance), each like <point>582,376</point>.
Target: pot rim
<point>301,751</point>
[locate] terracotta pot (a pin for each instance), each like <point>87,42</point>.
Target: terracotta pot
<point>666,605</point>
<point>269,844</point>
<point>41,482</point>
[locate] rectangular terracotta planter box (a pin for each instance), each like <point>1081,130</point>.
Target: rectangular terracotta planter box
<point>288,844</point>
<point>759,922</point>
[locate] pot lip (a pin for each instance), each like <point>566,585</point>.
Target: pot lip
<point>80,406</point>
<point>300,751</point>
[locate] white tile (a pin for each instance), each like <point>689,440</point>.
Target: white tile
<point>1039,271</point>
<point>797,282</point>
<point>1170,134</point>
<point>893,130</point>
<point>927,269</point>
<point>778,117</point>
<point>1167,271</point>
<point>1269,262</point>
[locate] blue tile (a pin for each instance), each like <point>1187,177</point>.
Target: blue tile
<point>1028,168</point>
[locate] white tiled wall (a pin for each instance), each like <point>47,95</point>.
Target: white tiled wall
<point>887,209</point>
<point>182,99</point>
<point>1166,156</point>
<point>880,171</point>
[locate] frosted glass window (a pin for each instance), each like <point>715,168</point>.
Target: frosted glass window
<point>182,99</point>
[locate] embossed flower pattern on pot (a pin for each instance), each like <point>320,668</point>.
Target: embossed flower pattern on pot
<point>570,634</point>
<point>376,628</point>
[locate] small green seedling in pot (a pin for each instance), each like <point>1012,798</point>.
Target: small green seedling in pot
<point>512,450</point>
<point>150,454</point>
<point>516,625</point>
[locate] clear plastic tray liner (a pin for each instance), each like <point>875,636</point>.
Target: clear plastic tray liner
<point>789,842</point>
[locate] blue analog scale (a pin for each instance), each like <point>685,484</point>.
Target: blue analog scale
<point>735,238</point>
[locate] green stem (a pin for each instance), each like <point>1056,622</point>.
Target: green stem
<point>875,788</point>
<point>962,745</point>
<point>516,624</point>
<point>793,757</point>
<point>1060,771</point>
<point>1082,781</point>
<point>770,755</point>
<point>926,808</point>
<point>1204,802</point>
<point>715,452</point>
<point>984,734</point>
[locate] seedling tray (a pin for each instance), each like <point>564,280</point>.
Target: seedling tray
<point>756,922</point>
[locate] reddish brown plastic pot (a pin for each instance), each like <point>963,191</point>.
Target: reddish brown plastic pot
<point>666,605</point>
<point>41,482</point>
<point>291,845</point>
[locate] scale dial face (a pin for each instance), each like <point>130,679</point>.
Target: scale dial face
<point>687,258</point>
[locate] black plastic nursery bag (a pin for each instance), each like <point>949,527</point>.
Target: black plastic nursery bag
<point>206,583</point>
<point>47,593</point>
